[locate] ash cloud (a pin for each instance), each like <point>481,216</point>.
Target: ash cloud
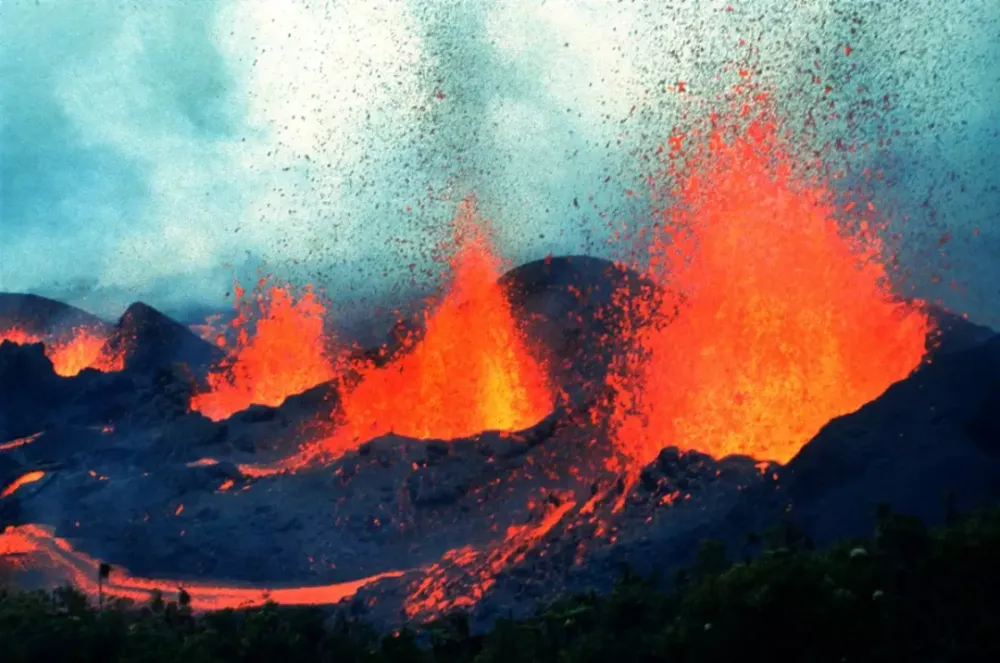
<point>154,151</point>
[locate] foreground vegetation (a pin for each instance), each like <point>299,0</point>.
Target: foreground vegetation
<point>905,594</point>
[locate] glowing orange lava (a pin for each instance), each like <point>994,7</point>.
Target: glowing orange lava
<point>81,348</point>
<point>470,371</point>
<point>24,479</point>
<point>84,349</point>
<point>285,352</point>
<point>82,571</point>
<point>19,442</point>
<point>437,593</point>
<point>781,317</point>
<point>18,336</point>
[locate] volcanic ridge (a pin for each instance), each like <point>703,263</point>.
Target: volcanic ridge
<point>527,433</point>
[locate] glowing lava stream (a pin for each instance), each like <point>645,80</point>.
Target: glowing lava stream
<point>19,442</point>
<point>83,571</point>
<point>24,479</point>
<point>285,354</point>
<point>83,348</point>
<point>469,372</point>
<point>436,594</point>
<point>783,318</point>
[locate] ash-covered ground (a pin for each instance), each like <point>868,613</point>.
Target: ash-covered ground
<point>497,521</point>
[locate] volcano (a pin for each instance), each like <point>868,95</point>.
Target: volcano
<point>73,339</point>
<point>489,521</point>
<point>147,340</point>
<point>531,429</point>
<point>40,316</point>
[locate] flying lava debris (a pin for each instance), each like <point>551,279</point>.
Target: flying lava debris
<point>774,317</point>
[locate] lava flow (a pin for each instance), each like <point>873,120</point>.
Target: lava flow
<point>81,348</point>
<point>470,371</point>
<point>781,318</point>
<point>440,591</point>
<point>285,352</point>
<point>19,442</point>
<point>38,542</point>
<point>24,479</point>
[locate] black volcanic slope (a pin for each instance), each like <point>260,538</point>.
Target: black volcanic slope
<point>151,340</point>
<point>30,391</point>
<point>33,398</point>
<point>566,306</point>
<point>934,435</point>
<point>41,316</point>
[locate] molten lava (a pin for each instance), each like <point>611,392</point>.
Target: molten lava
<point>81,348</point>
<point>438,592</point>
<point>470,371</point>
<point>82,571</point>
<point>281,349</point>
<point>780,318</point>
<point>24,479</point>
<point>19,442</point>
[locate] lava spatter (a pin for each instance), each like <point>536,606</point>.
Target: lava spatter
<point>281,349</point>
<point>775,316</point>
<point>464,575</point>
<point>72,352</point>
<point>470,370</point>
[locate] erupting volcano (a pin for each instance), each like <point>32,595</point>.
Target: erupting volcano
<point>469,371</point>
<point>534,431</point>
<point>71,353</point>
<point>280,350</point>
<point>775,317</point>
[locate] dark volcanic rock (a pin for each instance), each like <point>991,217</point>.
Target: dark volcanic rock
<point>31,394</point>
<point>151,340</point>
<point>33,397</point>
<point>162,399</point>
<point>43,316</point>
<point>147,494</point>
<point>58,444</point>
<point>568,307</point>
<point>931,435</point>
<point>954,333</point>
<point>103,398</point>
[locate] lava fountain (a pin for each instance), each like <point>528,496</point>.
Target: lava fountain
<point>73,352</point>
<point>281,349</point>
<point>781,317</point>
<point>471,369</point>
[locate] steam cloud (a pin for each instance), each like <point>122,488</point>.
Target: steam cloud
<point>152,150</point>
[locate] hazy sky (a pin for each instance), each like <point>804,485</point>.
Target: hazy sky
<point>149,148</point>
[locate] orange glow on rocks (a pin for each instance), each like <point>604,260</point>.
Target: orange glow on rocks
<point>84,349</point>
<point>38,542</point>
<point>774,317</point>
<point>470,371</point>
<point>81,348</point>
<point>281,350</point>
<point>437,592</point>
